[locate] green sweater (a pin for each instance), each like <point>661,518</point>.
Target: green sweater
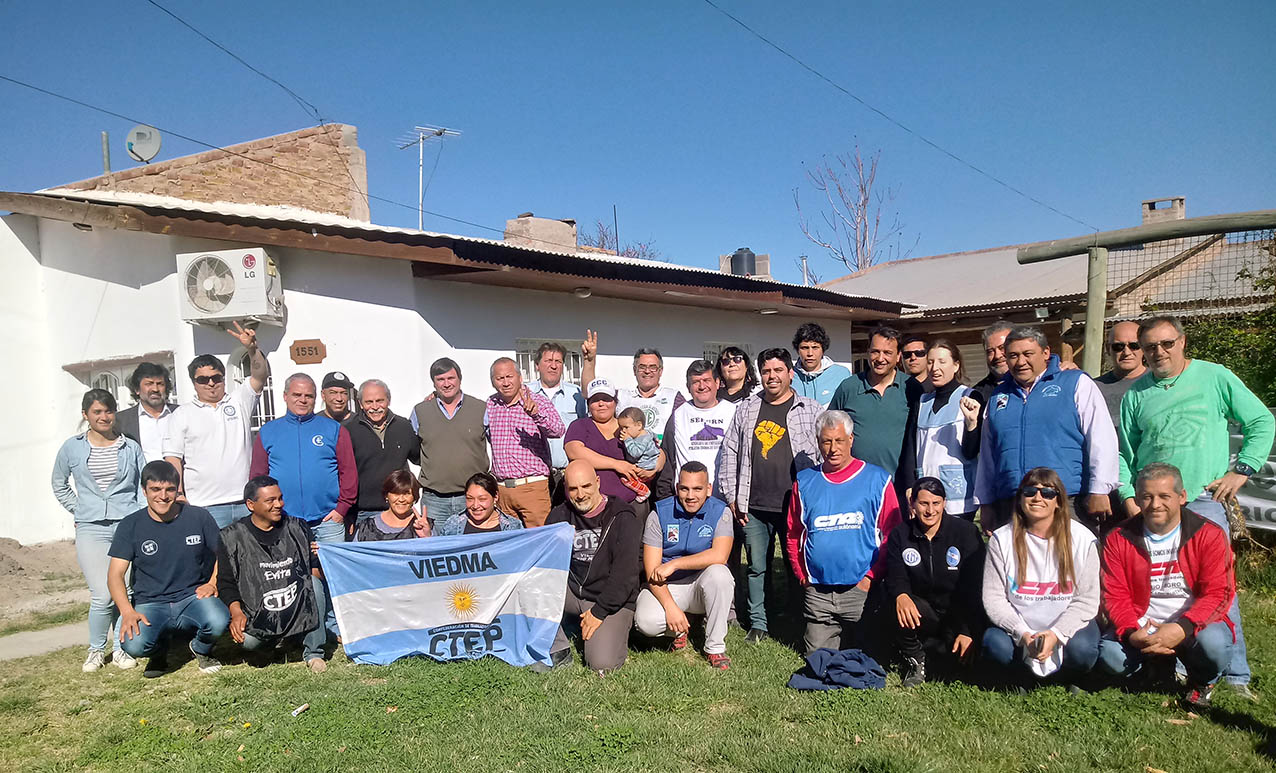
<point>1185,424</point>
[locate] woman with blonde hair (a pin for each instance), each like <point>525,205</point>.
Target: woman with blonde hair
<point>1041,586</point>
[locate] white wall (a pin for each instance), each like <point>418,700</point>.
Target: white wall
<point>73,296</point>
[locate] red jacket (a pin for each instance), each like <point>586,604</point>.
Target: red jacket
<point>1205,558</point>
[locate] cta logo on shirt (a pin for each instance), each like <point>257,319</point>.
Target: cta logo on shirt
<point>912,557</point>
<point>317,440</point>
<point>150,547</point>
<point>194,539</point>
<point>839,521</point>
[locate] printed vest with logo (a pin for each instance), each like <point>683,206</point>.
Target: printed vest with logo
<point>842,537</point>
<point>303,458</point>
<point>939,436</point>
<point>275,586</point>
<point>1039,430</point>
<point>685,534</point>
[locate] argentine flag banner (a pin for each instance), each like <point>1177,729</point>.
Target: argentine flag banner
<point>451,598</point>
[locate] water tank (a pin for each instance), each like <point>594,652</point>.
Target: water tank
<point>744,262</point>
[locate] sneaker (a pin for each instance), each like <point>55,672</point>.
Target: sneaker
<point>679,642</point>
<point>1241,689</point>
<point>157,666</point>
<point>718,660</point>
<point>123,660</point>
<point>756,635</point>
<point>1198,698</point>
<point>915,671</point>
<point>94,661</point>
<point>207,663</point>
<point>556,659</point>
<point>317,665</point>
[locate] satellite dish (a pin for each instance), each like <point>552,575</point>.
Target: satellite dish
<point>143,143</point>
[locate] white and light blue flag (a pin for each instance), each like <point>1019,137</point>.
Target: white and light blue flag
<point>451,598</point>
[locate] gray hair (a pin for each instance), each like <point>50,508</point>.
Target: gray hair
<point>297,377</point>
<point>1027,333</point>
<point>375,382</point>
<point>995,328</point>
<point>500,361</point>
<point>1158,471</point>
<point>831,419</point>
<point>1173,322</point>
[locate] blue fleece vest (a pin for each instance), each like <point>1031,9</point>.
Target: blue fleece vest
<point>685,534</point>
<point>842,534</point>
<point>1041,429</point>
<point>303,458</point>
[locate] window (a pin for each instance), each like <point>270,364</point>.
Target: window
<point>526,357</point>
<point>110,381</point>
<point>265,410</point>
<point>714,348</point>
<point>114,376</point>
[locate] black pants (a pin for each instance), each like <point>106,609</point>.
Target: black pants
<point>913,642</point>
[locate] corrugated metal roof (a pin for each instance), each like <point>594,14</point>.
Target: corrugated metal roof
<point>960,280</point>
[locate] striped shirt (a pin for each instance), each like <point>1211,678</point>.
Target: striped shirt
<point>104,462</point>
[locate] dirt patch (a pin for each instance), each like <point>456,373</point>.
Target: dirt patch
<point>39,578</point>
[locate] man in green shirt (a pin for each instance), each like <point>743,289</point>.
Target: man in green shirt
<point>877,401</point>
<point>1177,413</point>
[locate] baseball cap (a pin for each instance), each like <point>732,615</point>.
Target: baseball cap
<point>600,386</point>
<point>337,379</point>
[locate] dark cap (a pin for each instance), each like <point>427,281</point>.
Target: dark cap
<point>337,379</point>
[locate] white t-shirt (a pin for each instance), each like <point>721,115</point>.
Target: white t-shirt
<point>656,408</point>
<point>1170,594</point>
<point>698,434</point>
<point>215,444</point>
<point>151,432</point>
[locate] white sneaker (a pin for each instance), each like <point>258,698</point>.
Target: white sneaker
<point>94,661</point>
<point>123,660</point>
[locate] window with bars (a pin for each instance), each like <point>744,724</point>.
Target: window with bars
<point>714,348</point>
<point>526,357</point>
<point>265,410</point>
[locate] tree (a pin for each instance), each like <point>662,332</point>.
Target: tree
<point>855,232</point>
<point>605,238</point>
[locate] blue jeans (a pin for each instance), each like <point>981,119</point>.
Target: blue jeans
<point>92,540</point>
<point>440,508</point>
<point>1079,654</point>
<point>1237,671</point>
<point>207,617</point>
<point>311,644</point>
<point>225,515</point>
<point>326,531</point>
<point>1205,659</point>
<point>760,534</point>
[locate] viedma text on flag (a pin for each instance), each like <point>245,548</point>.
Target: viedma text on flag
<point>451,598</point>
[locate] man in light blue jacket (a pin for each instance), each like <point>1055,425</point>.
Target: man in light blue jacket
<point>815,376</point>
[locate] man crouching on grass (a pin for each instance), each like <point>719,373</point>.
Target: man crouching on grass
<point>1168,583</point>
<point>172,548</point>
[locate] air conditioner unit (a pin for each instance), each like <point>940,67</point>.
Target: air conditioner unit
<point>230,285</point>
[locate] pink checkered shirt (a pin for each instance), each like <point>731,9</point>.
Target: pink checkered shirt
<point>520,447</point>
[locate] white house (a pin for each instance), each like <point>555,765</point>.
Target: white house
<point>92,288</point>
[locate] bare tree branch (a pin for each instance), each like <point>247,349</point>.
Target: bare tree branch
<point>604,238</point>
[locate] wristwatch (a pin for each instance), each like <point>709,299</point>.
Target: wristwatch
<point>1243,469</point>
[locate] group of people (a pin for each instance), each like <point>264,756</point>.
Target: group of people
<point>1102,532</point>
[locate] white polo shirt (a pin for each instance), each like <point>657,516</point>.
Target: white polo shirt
<point>152,431</point>
<point>215,443</point>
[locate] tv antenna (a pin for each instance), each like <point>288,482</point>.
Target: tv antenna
<point>419,136</point>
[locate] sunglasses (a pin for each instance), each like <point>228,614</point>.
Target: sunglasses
<point>1165,345</point>
<point>730,359</point>
<point>1031,491</point>
<point>910,354</point>
<point>1121,346</point>
<point>216,378</point>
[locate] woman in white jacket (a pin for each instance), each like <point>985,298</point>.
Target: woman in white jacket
<point>1041,586</point>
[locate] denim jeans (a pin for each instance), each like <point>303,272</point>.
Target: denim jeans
<point>92,540</point>
<point>207,617</point>
<point>326,531</point>
<point>1205,660</point>
<point>311,644</point>
<point>1079,654</point>
<point>227,514</point>
<point>760,534</point>
<point>1237,671</point>
<point>440,508</point>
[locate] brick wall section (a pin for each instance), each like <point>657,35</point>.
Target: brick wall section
<point>216,175</point>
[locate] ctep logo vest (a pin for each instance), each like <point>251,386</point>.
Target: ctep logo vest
<point>1039,430</point>
<point>303,458</point>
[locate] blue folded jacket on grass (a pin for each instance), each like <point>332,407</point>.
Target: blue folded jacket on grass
<point>828,669</point>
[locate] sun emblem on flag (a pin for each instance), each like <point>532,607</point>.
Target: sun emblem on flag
<point>462,601</point>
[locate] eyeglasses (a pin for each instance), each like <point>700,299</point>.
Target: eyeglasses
<point>216,378</point>
<point>1031,491</point>
<point>910,354</point>
<point>647,368</point>
<point>731,359</point>
<point>1119,346</point>
<point>1166,345</point>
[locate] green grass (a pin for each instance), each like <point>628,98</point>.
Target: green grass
<point>38,620</point>
<point>661,712</point>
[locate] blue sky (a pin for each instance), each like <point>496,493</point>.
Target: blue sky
<point>694,129</point>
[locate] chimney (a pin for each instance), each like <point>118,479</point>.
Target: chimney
<point>1160,210</point>
<point>540,233</point>
<point>744,262</point>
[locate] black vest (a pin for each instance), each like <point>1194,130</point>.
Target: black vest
<point>275,587</point>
